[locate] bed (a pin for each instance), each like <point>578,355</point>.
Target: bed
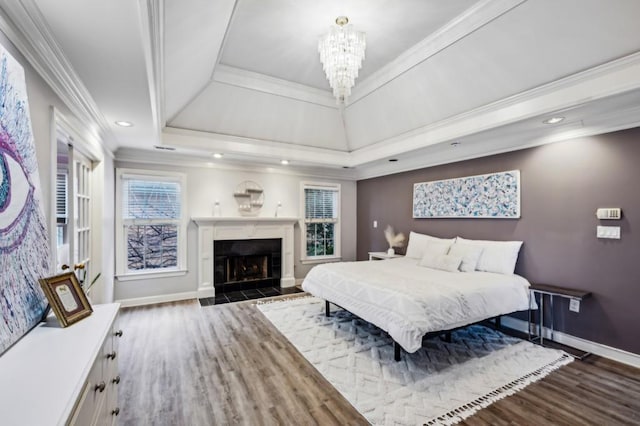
<point>409,300</point>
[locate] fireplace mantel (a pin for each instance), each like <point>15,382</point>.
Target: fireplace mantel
<point>213,220</point>
<point>241,228</point>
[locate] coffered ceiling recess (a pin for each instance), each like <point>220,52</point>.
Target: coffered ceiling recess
<point>243,77</point>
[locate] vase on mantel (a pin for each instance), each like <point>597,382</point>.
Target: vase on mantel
<point>391,251</point>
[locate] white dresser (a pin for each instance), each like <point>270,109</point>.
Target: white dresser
<point>60,376</point>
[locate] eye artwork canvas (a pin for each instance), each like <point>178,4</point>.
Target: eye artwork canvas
<point>24,246</point>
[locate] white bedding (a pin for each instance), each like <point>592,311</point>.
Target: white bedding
<point>408,301</point>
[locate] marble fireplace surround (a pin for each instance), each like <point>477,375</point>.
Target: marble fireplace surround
<point>241,228</point>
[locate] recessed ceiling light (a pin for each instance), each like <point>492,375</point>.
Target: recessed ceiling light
<point>393,160</point>
<point>124,123</point>
<point>553,120</point>
<point>284,162</point>
<point>217,155</point>
<point>456,144</point>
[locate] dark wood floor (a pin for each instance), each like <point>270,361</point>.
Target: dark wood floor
<point>183,364</point>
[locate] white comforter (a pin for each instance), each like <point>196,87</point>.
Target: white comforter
<point>408,301</point>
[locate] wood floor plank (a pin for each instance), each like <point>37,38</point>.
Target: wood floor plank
<point>182,364</point>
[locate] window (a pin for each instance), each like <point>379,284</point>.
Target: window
<point>321,225</point>
<point>61,208</point>
<point>151,226</point>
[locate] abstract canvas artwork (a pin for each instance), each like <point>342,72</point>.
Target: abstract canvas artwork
<point>495,195</point>
<point>24,248</point>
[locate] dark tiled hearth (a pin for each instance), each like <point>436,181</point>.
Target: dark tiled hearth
<point>239,296</point>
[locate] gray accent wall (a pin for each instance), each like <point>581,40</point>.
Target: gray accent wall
<point>562,186</point>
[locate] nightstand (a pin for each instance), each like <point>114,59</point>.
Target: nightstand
<point>543,290</point>
<point>382,255</point>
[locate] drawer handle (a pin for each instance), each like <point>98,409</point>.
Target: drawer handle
<point>100,387</point>
<point>115,412</point>
<point>112,355</point>
<point>116,380</point>
<point>118,333</point>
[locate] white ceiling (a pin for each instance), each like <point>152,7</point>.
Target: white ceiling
<point>280,38</point>
<point>243,77</point>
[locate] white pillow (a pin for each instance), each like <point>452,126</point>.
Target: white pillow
<point>497,256</point>
<point>435,248</point>
<point>417,242</point>
<point>470,255</point>
<point>444,262</point>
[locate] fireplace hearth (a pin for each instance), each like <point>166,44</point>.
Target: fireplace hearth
<point>246,264</point>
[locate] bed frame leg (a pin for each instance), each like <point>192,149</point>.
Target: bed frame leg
<point>396,351</point>
<point>327,312</point>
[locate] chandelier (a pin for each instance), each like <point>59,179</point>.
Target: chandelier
<point>341,53</point>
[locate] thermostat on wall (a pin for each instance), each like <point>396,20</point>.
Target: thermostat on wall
<point>608,213</point>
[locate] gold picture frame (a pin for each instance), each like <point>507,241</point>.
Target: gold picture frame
<point>66,297</point>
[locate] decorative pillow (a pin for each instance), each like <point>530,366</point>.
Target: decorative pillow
<point>417,242</point>
<point>470,255</point>
<point>435,248</point>
<point>497,256</point>
<point>444,262</point>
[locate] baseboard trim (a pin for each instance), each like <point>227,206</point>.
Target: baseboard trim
<point>205,292</point>
<point>299,281</point>
<point>605,351</point>
<point>150,300</point>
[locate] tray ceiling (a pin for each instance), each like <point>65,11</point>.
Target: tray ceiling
<point>244,78</point>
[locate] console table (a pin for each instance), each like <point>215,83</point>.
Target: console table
<point>551,291</point>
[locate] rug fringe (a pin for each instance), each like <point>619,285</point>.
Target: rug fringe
<point>458,414</point>
<point>286,299</point>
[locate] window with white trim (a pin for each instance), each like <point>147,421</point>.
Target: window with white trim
<point>151,231</point>
<point>321,224</point>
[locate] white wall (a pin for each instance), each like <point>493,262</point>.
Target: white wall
<point>103,247</point>
<point>206,185</point>
<point>41,101</point>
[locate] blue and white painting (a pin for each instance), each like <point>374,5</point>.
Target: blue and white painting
<point>495,195</point>
<point>24,247</point>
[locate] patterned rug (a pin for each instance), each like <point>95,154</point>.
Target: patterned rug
<point>442,383</point>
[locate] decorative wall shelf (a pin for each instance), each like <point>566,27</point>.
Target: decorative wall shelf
<point>250,197</point>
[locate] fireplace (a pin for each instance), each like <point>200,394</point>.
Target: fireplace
<point>246,264</point>
<point>211,229</point>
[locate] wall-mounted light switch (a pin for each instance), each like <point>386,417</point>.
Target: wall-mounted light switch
<point>612,232</point>
<point>375,223</point>
<point>574,305</point>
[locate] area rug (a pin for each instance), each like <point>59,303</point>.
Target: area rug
<point>442,383</point>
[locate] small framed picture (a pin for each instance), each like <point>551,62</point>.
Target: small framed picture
<point>66,297</point>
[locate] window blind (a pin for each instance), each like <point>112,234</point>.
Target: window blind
<point>61,199</point>
<point>320,204</point>
<point>150,199</point>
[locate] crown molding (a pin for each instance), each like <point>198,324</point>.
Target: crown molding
<point>76,135</point>
<point>27,29</point>
<point>475,17</point>
<point>486,145</point>
<point>259,148</point>
<point>481,146</point>
<point>274,86</point>
<point>152,22</point>
<point>613,78</point>
<point>174,159</point>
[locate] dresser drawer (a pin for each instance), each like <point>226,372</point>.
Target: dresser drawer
<point>93,396</point>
